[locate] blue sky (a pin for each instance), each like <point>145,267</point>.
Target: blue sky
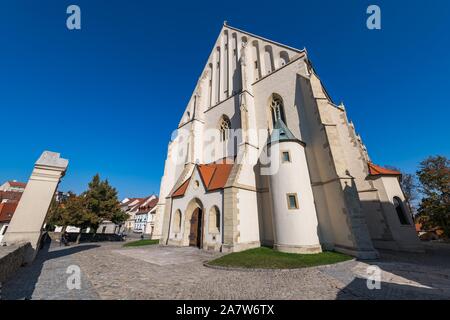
<point>107,97</point>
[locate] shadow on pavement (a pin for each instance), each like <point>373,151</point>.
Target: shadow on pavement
<point>405,276</point>
<point>23,282</point>
<point>387,291</point>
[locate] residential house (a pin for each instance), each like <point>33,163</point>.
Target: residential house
<point>144,222</point>
<point>13,185</point>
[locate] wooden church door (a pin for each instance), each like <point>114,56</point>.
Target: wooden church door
<point>195,235</point>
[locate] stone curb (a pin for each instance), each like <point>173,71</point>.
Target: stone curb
<point>206,264</point>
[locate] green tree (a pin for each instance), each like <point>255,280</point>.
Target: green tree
<point>56,212</point>
<point>75,214</point>
<point>434,178</point>
<point>54,217</point>
<point>102,202</point>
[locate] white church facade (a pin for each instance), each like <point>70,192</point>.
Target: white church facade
<point>262,156</point>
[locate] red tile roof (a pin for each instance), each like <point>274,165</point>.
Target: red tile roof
<point>10,195</point>
<point>17,184</point>
<point>214,176</point>
<point>7,210</point>
<point>206,173</point>
<point>182,189</point>
<point>375,170</point>
<point>219,177</point>
<point>149,206</point>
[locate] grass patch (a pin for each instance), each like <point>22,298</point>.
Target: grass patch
<point>267,258</point>
<point>139,243</point>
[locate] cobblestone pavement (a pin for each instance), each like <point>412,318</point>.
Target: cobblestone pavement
<point>110,271</point>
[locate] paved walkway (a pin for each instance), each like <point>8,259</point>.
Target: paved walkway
<point>110,271</point>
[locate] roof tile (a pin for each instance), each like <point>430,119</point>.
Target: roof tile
<point>375,170</point>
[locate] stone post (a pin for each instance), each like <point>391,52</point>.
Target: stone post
<point>28,220</point>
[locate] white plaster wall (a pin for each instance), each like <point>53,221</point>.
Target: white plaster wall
<point>110,227</point>
<point>406,236</point>
<point>248,216</point>
<point>213,149</point>
<point>295,227</point>
<point>208,200</point>
<point>283,83</point>
<point>371,207</point>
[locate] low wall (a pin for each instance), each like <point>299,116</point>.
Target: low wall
<point>87,237</point>
<point>12,258</point>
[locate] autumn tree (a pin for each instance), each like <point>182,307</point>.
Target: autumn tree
<point>434,177</point>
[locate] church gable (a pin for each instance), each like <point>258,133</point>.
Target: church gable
<point>221,77</point>
<point>212,176</point>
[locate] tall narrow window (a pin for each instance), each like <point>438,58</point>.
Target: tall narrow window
<point>224,127</point>
<point>218,75</point>
<point>292,201</point>
<point>284,58</point>
<point>398,205</point>
<point>277,109</point>
<point>285,156</point>
<point>210,93</point>
<point>268,59</point>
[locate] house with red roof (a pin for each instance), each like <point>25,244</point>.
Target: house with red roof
<point>14,186</point>
<point>7,210</point>
<point>10,194</point>
<point>144,219</point>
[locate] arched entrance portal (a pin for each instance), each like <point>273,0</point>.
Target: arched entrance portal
<point>194,224</point>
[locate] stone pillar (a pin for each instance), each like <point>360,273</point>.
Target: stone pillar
<point>29,217</point>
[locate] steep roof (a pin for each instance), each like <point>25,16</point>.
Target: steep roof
<point>375,170</point>
<point>214,177</point>
<point>17,184</point>
<point>147,207</point>
<point>225,25</point>
<point>182,189</point>
<point>7,210</point>
<point>250,38</point>
<point>10,195</point>
<point>281,132</point>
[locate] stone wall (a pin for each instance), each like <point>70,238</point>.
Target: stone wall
<point>86,237</point>
<point>11,259</point>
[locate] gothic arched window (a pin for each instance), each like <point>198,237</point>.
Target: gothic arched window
<point>398,205</point>
<point>214,220</point>
<point>277,109</point>
<point>224,127</point>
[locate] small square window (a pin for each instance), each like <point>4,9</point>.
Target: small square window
<point>285,156</point>
<point>256,64</point>
<point>292,201</point>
